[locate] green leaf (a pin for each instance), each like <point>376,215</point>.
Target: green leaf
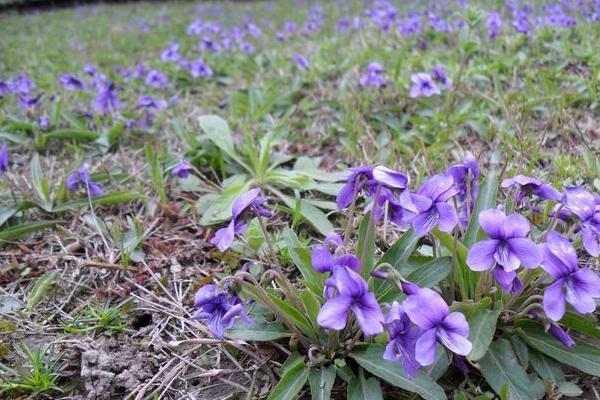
<point>18,231</point>
<point>300,255</point>
<point>291,382</point>
<point>546,367</point>
<point>400,250</point>
<point>108,199</point>
<point>441,364</point>
<point>218,132</point>
<point>311,304</point>
<point>486,198</point>
<point>218,208</point>
<point>367,247</point>
<point>40,288</point>
<point>321,382</point>
<point>500,367</point>
<point>570,389</point>
<point>40,183</point>
<point>584,357</point>
<point>78,135</point>
<point>465,278</point>
<point>311,213</point>
<point>364,389</point>
<point>259,331</point>
<point>296,316</point>
<point>483,326</point>
<point>370,357</point>
<point>581,323</point>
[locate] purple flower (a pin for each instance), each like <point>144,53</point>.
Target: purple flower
<point>429,206</point>
<point>290,26</point>
<point>494,25</point>
<point>71,82</point>
<point>3,159</point>
<point>195,28</point>
<point>528,186</point>
<point>198,68</point>
<point>139,72</point>
<point>182,169</point>
<point>562,335</point>
<point>577,286</point>
<point>149,102</point>
<point>29,102</point>
<point>423,86</point>
<point>583,204</point>
<point>506,249</point>
<point>403,338</point>
<point>21,85</point>
<point>466,183</point>
<point>207,44</point>
<point>82,178</point>
<point>171,53</point>
<point>428,311</point>
<point>44,123</point>
<point>249,201</point>
<point>156,79</point>
<point>4,89</point>
<point>219,309</point>
<point>106,101</point>
<point>351,293</point>
<point>362,178</point>
<point>301,61</point>
<point>90,70</point>
<point>439,75</point>
<point>374,76</point>
<point>322,258</point>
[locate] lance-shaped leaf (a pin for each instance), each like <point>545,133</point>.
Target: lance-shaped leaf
<point>291,381</point>
<point>321,382</point>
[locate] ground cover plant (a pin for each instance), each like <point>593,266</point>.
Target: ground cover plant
<point>360,200</point>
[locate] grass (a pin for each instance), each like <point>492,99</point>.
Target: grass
<point>532,98</point>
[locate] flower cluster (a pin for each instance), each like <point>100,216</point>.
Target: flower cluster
<point>82,179</point>
<point>219,309</point>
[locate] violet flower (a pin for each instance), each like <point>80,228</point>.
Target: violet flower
<point>3,159</point>
<point>562,336</point>
<point>199,69</point>
<point>82,178</point>
<point>21,85</point>
<point>423,86</point>
<point>351,293</point>
<point>30,102</point>
<point>182,169</point>
<point>249,201</point>
<point>466,183</point>
<point>219,309</point>
<point>583,204</point>
<point>360,179</point>
<point>531,186</point>
<point>301,61</point>
<point>439,75</point>
<point>429,206</point>
<point>429,311</point>
<point>494,25</point>
<point>106,101</point>
<point>506,249</point>
<point>4,89</point>
<point>171,53</point>
<point>577,286</point>
<point>71,82</point>
<point>403,337</point>
<point>156,79</point>
<point>374,76</point>
<point>149,102</point>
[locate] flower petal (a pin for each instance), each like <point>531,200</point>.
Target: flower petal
<point>526,251</point>
<point>334,313</point>
<point>436,186</point>
<point>580,202</point>
<point>425,351</point>
<point>344,196</point>
<point>244,201</point>
<point>587,280</point>
<point>390,178</point>
<point>321,259</point>
<point>481,255</point>
<point>447,216</point>
<point>454,342</point>
<point>349,283</point>
<point>492,222</point>
<point>457,323</point>
<point>224,237</point>
<point>515,226</point>
<point>368,314</point>
<point>554,300</point>
<point>590,242</point>
<point>425,221</point>
<point>579,298</point>
<point>559,256</point>
<point>426,309</point>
